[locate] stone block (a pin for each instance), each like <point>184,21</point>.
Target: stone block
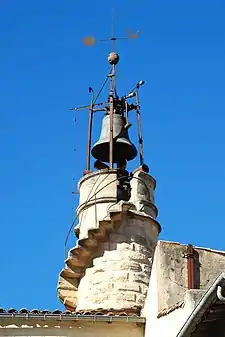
<point>123,247</point>
<point>118,238</point>
<point>118,276</point>
<point>114,255</point>
<point>133,230</point>
<point>137,257</point>
<point>100,288</point>
<point>144,289</point>
<point>146,267</point>
<point>139,239</point>
<point>132,286</point>
<point>142,191</point>
<point>140,278</point>
<point>124,265</point>
<point>140,299</point>
<point>128,296</point>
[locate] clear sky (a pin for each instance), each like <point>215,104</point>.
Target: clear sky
<point>45,70</point>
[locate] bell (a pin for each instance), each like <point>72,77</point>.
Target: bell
<point>123,149</point>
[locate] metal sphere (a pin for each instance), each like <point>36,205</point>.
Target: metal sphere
<point>113,58</point>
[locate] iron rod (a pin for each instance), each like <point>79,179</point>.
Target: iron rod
<point>88,106</point>
<point>190,267</point>
<point>90,132</point>
<point>126,112</point>
<point>140,139</point>
<point>111,119</point>
<point>113,29</point>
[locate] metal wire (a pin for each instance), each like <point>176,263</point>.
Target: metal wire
<point>73,222</point>
<point>102,87</point>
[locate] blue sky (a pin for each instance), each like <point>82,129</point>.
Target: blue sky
<point>45,70</point>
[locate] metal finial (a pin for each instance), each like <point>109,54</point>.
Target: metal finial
<point>113,58</point>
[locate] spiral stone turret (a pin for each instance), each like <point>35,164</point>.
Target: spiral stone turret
<point>109,268</point>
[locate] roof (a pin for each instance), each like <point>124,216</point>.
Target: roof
<point>168,310</point>
<point>176,243</point>
<point>207,319</point>
<point>8,317</point>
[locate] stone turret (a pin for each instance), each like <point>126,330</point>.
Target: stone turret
<point>109,268</point>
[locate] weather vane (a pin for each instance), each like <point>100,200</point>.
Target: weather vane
<point>91,40</point>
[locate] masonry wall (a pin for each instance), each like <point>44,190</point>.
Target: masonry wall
<point>119,276</point>
<point>170,272</point>
<point>169,302</point>
<point>110,265</point>
<point>77,329</point>
<point>169,321</point>
<point>98,192</point>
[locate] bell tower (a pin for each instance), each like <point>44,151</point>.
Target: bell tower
<point>108,269</point>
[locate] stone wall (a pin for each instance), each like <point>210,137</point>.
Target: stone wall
<point>142,193</point>
<point>120,273</point>
<point>171,322</point>
<point>98,192</point>
<point>170,272</point>
<point>175,312</point>
<point>110,266</point>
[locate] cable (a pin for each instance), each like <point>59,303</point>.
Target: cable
<point>74,151</point>
<point>102,87</point>
<point>73,222</point>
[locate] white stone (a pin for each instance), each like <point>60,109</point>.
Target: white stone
<point>123,264</point>
<point>98,192</point>
<point>142,192</point>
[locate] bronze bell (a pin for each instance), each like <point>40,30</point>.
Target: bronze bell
<point>123,149</point>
